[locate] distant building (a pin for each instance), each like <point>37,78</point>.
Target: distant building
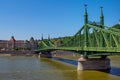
<point>18,44</point>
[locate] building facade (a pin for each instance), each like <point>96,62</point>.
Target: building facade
<point>13,44</point>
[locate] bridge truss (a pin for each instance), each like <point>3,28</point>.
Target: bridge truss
<point>92,38</point>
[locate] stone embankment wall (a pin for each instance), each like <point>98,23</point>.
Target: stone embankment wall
<point>21,52</point>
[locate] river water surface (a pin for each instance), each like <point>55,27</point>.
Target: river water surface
<point>32,68</point>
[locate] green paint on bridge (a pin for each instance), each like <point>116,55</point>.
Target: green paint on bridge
<point>92,39</point>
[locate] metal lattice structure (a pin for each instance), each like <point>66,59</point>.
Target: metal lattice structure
<point>92,38</point>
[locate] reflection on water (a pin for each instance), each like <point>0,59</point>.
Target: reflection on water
<point>115,71</point>
<point>32,68</point>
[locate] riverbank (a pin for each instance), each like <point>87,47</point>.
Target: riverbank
<point>17,53</point>
<point>5,54</point>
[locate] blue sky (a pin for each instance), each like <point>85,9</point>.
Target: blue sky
<point>57,18</point>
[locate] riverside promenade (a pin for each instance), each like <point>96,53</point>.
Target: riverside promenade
<point>16,53</point>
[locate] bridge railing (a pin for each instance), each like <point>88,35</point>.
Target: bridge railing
<point>104,49</point>
<point>90,49</point>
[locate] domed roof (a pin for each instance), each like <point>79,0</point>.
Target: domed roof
<point>12,39</point>
<point>32,40</point>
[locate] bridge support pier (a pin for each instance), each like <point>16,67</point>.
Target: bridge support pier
<point>46,54</point>
<point>102,63</point>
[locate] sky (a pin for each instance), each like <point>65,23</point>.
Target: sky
<point>58,18</point>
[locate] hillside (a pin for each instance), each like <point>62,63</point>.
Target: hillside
<point>116,26</point>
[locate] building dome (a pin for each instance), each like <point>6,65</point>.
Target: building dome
<point>12,39</point>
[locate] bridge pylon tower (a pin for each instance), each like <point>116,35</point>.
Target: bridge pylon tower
<point>85,30</point>
<point>102,42</point>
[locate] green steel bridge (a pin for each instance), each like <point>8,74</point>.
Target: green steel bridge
<point>92,39</point>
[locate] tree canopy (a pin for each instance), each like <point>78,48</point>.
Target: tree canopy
<point>116,26</point>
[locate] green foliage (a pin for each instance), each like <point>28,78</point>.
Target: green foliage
<point>117,26</point>
<point>64,41</point>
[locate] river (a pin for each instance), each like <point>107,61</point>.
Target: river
<point>33,68</point>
